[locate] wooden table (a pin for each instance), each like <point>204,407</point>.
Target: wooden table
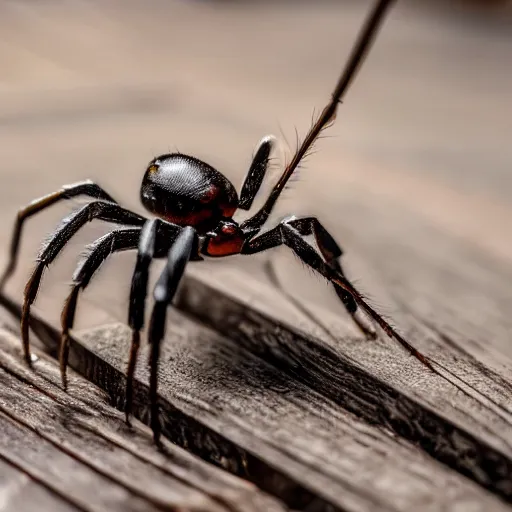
<point>268,405</point>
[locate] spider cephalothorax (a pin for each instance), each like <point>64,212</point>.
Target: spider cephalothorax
<point>194,206</point>
<point>188,192</point>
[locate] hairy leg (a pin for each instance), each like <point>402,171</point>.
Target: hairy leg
<point>328,114</point>
<point>284,234</point>
<point>111,212</point>
<point>332,253</point>
<point>82,188</point>
<point>96,254</point>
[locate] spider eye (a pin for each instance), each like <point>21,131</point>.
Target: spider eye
<point>152,168</point>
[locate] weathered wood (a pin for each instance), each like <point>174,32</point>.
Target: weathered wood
<point>79,448</point>
<point>20,493</point>
<point>234,409</point>
<point>62,473</point>
<point>462,420</point>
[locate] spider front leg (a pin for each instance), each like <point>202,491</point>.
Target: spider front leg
<point>288,235</point>
<point>111,212</point>
<point>138,293</point>
<point>86,188</point>
<point>256,173</point>
<point>179,255</point>
<point>153,240</point>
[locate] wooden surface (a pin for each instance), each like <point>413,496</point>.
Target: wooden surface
<point>415,182</point>
<point>244,414</point>
<point>73,451</point>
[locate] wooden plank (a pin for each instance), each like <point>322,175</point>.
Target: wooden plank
<point>462,420</point>
<point>19,493</point>
<point>80,448</point>
<point>62,473</point>
<point>234,409</point>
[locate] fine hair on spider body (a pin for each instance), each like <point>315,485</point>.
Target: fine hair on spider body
<point>193,206</point>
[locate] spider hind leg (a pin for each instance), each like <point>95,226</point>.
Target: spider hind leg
<point>287,234</point>
<point>331,253</point>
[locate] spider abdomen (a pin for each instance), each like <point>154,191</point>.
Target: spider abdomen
<point>187,191</point>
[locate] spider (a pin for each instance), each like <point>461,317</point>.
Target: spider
<point>193,204</point>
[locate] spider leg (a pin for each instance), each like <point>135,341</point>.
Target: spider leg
<point>179,255</point>
<point>332,253</point>
<point>328,114</point>
<point>102,210</point>
<point>286,234</point>
<point>138,293</point>
<point>152,240</point>
<point>256,173</point>
<point>96,254</point>
<point>87,188</point>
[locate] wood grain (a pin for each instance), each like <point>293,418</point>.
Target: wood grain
<point>462,419</point>
<point>80,450</point>
<point>244,414</point>
<point>20,492</point>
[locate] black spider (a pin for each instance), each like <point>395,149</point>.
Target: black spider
<point>195,205</point>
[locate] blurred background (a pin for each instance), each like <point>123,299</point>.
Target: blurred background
<point>415,176</point>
